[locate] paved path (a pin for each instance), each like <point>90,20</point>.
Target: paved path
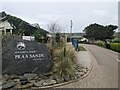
<point>104,74</point>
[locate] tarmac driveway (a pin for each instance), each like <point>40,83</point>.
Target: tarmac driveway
<point>104,74</point>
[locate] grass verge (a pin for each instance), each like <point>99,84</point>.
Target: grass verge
<point>81,48</point>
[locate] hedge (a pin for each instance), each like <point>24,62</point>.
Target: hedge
<point>100,43</point>
<point>115,47</point>
<point>116,40</point>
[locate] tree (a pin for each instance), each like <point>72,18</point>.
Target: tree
<point>38,36</point>
<point>99,32</point>
<point>54,28</point>
<point>57,37</point>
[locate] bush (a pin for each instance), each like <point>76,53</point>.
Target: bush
<point>100,43</point>
<point>107,45</point>
<point>57,37</point>
<point>64,67</point>
<point>115,46</point>
<point>116,40</point>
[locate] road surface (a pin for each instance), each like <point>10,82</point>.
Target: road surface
<point>104,74</point>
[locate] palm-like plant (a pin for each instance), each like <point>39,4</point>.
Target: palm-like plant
<point>65,65</point>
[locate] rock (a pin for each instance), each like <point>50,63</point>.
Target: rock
<point>81,73</point>
<point>23,80</point>
<point>53,82</point>
<point>78,76</point>
<point>76,73</point>
<point>84,70</point>
<point>8,85</point>
<point>39,83</point>
<point>47,74</point>
<point>30,76</point>
<point>19,86</point>
<point>66,78</point>
<point>36,78</point>
<point>75,77</point>
<point>87,69</point>
<point>21,56</point>
<point>33,81</point>
<point>14,76</point>
<point>2,82</point>
<point>16,80</point>
<point>49,82</point>
<point>9,77</point>
<point>78,70</point>
<point>59,79</point>
<point>5,77</point>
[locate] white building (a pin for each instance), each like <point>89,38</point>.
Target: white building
<point>5,27</point>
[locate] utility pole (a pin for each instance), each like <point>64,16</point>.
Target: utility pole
<point>71,24</point>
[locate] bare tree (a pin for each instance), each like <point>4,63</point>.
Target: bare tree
<point>54,28</point>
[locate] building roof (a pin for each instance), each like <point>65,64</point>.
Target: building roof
<point>36,25</point>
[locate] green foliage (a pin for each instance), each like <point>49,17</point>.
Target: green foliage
<point>38,36</point>
<point>99,32</point>
<point>115,46</point>
<point>65,65</point>
<point>116,40</point>
<point>100,43</point>
<point>57,37</point>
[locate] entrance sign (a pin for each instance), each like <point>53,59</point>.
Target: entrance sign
<point>22,56</point>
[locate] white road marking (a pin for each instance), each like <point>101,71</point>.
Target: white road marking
<point>118,60</point>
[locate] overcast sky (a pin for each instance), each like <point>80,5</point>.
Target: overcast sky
<point>82,13</point>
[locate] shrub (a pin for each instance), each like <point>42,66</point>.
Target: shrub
<point>115,46</point>
<point>107,45</point>
<point>57,37</point>
<point>100,43</point>
<point>65,64</point>
<point>116,40</point>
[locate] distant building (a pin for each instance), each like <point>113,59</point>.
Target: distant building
<point>73,34</point>
<point>5,26</point>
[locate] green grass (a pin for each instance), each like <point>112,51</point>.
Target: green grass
<point>81,48</point>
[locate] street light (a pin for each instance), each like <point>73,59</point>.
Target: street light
<point>71,24</point>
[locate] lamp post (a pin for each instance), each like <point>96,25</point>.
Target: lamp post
<point>71,24</point>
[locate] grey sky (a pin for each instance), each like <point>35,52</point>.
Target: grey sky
<point>82,13</point>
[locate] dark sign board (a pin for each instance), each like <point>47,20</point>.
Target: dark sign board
<point>21,56</point>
